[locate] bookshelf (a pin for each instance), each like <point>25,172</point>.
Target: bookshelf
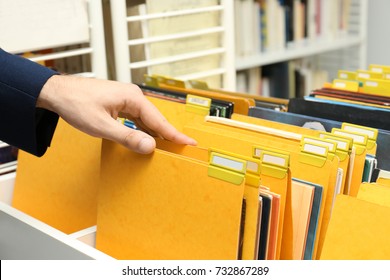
<point>340,46</point>
<point>136,40</point>
<point>181,39</point>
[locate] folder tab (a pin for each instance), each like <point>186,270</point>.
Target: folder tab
<point>175,83</point>
<point>313,153</point>
<point>252,175</point>
<point>344,144</point>
<point>199,84</point>
<point>329,143</point>
<point>348,85</point>
<point>346,75</point>
<point>359,139</point>
<point>151,81</point>
<point>379,68</point>
<point>227,168</point>
<point>376,86</point>
<point>160,78</point>
<point>198,105</point>
<point>372,133</point>
<point>273,163</point>
<point>367,74</point>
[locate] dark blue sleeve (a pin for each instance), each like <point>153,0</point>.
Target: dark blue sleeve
<point>22,124</point>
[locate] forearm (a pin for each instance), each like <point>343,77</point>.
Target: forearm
<point>22,124</point>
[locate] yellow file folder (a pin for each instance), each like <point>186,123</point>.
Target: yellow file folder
<point>320,170</point>
<point>166,206</point>
<point>375,193</point>
<point>178,114</point>
<point>360,145</point>
<point>61,187</point>
<point>241,104</point>
<point>251,191</point>
<point>358,230</point>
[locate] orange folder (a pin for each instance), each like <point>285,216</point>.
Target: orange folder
<point>61,187</point>
<point>375,193</point>
<point>241,141</point>
<point>251,191</point>
<point>241,104</point>
<point>358,230</point>
<point>166,206</point>
<point>177,113</point>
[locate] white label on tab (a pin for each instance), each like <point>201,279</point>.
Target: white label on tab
<point>274,160</point>
<point>198,101</point>
<point>364,75</point>
<point>229,163</point>
<point>376,69</point>
<point>341,144</point>
<point>343,75</point>
<point>330,145</point>
<point>314,149</point>
<point>370,133</point>
<point>371,84</point>
<point>387,76</point>
<point>340,85</point>
<point>356,138</point>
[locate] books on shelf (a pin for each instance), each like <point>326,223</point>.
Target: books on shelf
<point>283,24</point>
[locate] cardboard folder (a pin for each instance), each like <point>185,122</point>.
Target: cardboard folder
<point>341,151</point>
<point>61,187</point>
<point>358,230</point>
<point>276,176</point>
<point>241,104</point>
<point>178,114</point>
<point>360,145</point>
<point>250,242</point>
<point>241,141</point>
<point>375,193</point>
<point>168,206</point>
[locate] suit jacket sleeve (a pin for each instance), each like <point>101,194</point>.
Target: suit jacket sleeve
<point>21,123</point>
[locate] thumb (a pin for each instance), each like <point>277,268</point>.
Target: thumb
<point>135,140</point>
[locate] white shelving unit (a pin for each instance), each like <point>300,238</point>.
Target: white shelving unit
<point>343,52</point>
<point>125,66</point>
<point>314,48</point>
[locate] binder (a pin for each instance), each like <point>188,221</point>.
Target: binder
<point>341,111</point>
<point>265,225</point>
<point>358,230</point>
<point>61,187</point>
<point>273,225</point>
<point>168,206</point>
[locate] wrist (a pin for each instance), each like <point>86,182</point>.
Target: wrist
<point>48,92</point>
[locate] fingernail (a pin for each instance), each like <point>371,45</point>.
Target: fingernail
<point>146,146</point>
